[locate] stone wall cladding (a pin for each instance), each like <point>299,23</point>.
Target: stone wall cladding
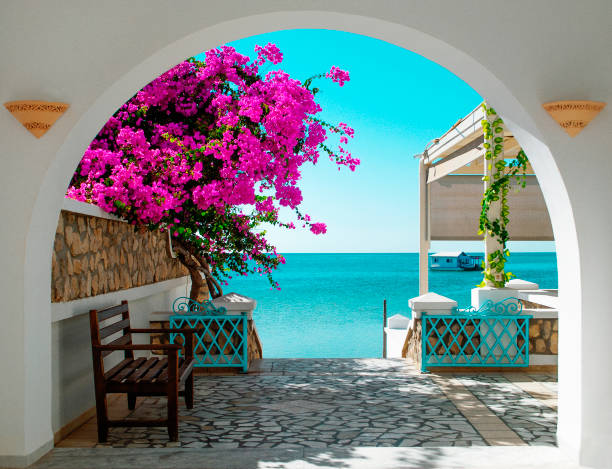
<point>544,336</point>
<point>543,332</point>
<point>93,256</point>
<point>412,344</point>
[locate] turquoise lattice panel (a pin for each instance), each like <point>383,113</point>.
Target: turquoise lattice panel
<point>476,338</point>
<point>220,339</point>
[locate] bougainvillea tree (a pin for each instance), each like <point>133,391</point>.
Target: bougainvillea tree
<point>208,152</point>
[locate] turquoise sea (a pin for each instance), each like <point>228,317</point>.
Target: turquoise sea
<point>331,305</point>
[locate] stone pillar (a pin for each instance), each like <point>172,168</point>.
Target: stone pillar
<point>431,303</point>
<point>427,303</point>
<point>235,303</point>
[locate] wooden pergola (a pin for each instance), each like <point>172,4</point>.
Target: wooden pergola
<point>451,185</point>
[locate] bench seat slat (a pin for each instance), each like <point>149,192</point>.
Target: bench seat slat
<point>184,368</point>
<point>153,374</point>
<point>128,370</point>
<point>142,370</point>
<point>117,368</point>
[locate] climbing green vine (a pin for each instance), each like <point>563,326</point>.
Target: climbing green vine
<point>499,174</point>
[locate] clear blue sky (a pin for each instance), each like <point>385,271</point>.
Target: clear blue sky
<point>397,101</point>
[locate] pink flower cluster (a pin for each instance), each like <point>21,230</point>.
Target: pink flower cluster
<point>210,150</point>
<point>337,75</point>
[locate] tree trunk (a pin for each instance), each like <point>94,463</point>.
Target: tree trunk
<point>197,293</point>
<point>199,272</point>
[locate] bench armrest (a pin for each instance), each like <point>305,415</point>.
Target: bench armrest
<point>188,330</point>
<point>138,347</point>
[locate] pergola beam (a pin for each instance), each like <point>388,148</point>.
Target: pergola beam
<point>471,154</point>
<point>463,132</point>
<point>451,165</point>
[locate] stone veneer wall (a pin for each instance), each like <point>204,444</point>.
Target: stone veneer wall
<point>544,336</point>
<point>412,345</point>
<point>543,332</point>
<point>93,256</point>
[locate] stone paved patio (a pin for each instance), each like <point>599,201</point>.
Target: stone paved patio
<point>297,404</point>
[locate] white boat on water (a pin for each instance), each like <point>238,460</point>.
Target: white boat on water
<point>458,260</point>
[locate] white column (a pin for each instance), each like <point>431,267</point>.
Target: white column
<point>491,243</point>
<point>25,311</point>
<point>25,367</point>
<point>423,230</point>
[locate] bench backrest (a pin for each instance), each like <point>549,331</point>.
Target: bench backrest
<point>116,320</point>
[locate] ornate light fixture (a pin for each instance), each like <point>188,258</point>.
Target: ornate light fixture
<point>573,116</point>
<point>36,116</point>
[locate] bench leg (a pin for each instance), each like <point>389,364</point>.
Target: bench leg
<point>173,392</point>
<point>173,431</point>
<point>189,392</point>
<point>102,416</point>
<point>131,398</point>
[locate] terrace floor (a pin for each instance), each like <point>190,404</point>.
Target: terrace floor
<point>316,404</point>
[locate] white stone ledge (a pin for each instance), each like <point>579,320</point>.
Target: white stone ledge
<point>431,303</point>
<point>70,309</point>
<point>234,303</point>
<point>543,297</point>
<point>542,359</point>
<point>71,205</point>
<point>541,313</point>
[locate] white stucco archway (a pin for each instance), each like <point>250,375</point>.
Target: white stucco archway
<point>464,66</point>
<point>579,431</point>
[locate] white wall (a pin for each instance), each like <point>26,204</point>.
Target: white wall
<point>95,55</point>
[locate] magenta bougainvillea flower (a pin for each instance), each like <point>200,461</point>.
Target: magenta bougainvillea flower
<point>209,151</point>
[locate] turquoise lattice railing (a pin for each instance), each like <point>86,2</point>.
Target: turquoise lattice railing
<point>220,339</point>
<point>497,335</point>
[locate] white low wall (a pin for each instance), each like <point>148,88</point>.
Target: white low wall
<point>72,374</point>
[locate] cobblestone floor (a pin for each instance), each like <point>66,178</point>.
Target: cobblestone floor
<point>332,403</point>
<point>534,423</point>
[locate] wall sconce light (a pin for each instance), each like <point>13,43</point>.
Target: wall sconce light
<point>36,116</point>
<point>573,116</point>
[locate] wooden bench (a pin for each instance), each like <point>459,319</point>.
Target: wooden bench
<point>157,376</point>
